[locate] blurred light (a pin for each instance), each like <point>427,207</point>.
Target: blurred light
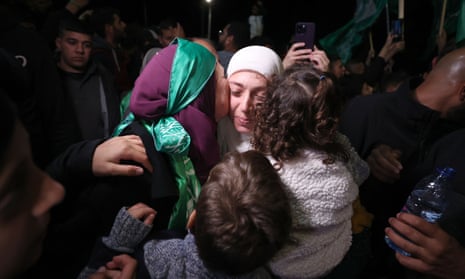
<point>209,18</point>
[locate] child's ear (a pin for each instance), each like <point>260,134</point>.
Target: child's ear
<point>191,220</point>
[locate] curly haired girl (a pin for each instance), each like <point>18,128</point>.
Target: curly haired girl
<point>297,129</point>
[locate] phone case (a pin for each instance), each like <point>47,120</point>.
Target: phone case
<point>305,32</point>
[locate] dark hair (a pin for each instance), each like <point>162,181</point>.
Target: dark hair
<point>395,78</point>
<point>73,25</point>
<point>165,24</point>
<point>9,116</point>
<point>243,214</point>
<point>100,17</point>
<point>301,110</point>
<point>241,32</point>
<point>262,41</point>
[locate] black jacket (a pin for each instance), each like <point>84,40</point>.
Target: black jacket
<point>397,120</point>
<point>83,97</point>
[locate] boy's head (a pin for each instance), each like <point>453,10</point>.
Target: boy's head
<point>243,214</point>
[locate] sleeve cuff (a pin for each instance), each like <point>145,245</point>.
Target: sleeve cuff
<point>126,233</point>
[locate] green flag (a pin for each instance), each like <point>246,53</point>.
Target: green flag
<point>341,41</point>
<point>460,32</point>
<point>454,20</point>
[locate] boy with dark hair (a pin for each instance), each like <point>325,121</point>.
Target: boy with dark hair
<point>74,25</point>
<point>242,219</point>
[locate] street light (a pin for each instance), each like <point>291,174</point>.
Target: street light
<point>209,2</point>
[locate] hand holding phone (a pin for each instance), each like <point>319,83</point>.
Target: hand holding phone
<point>397,29</point>
<point>305,32</point>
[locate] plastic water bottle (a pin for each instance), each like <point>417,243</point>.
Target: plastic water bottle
<point>427,199</point>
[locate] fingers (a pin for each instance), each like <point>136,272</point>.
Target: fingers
<point>113,274</point>
<point>126,264</point>
<point>125,170</point>
<point>137,154</point>
<point>320,60</point>
<point>380,172</point>
<point>419,224</point>
<point>383,176</point>
<point>296,46</point>
<point>407,233</point>
<point>389,39</point>
<point>298,51</point>
<point>433,250</point>
<point>420,246</point>
<point>109,154</point>
<point>384,163</point>
<point>371,53</point>
<point>413,263</point>
<point>120,267</point>
<point>134,138</point>
<point>400,241</point>
<point>149,220</point>
<point>398,46</point>
<point>100,274</point>
<point>142,212</point>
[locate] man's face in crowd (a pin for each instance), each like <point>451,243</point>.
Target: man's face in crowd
<point>119,28</point>
<point>168,35</point>
<point>75,49</point>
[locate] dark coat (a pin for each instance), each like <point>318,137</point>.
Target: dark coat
<point>397,120</point>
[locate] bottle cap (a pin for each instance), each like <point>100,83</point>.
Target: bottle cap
<point>447,171</point>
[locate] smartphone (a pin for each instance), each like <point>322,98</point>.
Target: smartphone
<point>397,30</point>
<point>305,32</point>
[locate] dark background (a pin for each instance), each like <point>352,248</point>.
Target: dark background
<point>280,19</point>
<point>280,15</point>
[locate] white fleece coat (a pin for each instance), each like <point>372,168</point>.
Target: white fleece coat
<point>321,199</point>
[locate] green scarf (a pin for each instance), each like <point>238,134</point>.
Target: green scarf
<point>192,67</point>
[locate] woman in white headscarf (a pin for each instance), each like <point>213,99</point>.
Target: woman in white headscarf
<point>249,72</point>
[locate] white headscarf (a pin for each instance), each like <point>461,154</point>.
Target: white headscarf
<point>260,59</point>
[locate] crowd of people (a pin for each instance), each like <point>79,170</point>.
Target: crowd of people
<point>130,151</point>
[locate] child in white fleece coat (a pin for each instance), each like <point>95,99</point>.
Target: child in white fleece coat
<point>297,128</point>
